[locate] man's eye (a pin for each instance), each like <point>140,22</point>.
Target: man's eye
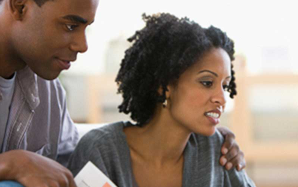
<point>71,27</point>
<point>207,83</point>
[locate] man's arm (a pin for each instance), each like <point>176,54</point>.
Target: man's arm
<point>68,139</point>
<point>31,170</point>
<point>232,156</point>
<point>69,136</point>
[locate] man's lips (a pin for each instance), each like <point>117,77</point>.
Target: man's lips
<point>64,64</point>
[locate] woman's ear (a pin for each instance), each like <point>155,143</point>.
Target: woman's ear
<point>160,91</point>
<point>18,8</point>
<point>170,89</point>
<point>167,95</point>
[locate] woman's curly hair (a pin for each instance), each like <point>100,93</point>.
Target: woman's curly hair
<point>161,52</point>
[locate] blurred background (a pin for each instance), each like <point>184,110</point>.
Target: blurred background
<point>264,115</point>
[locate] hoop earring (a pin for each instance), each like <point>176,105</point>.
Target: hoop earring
<point>165,103</point>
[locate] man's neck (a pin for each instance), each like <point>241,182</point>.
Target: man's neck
<point>6,72</point>
<point>8,62</point>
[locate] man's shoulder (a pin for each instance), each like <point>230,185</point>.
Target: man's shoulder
<point>37,90</point>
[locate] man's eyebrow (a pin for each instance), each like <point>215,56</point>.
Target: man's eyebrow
<point>75,18</point>
<point>208,72</point>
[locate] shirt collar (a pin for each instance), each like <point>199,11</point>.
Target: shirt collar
<point>28,83</point>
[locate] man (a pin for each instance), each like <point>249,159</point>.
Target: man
<point>43,37</point>
<point>39,39</point>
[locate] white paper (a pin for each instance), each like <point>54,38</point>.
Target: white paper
<point>91,176</point>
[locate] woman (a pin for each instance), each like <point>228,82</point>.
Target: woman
<point>173,82</point>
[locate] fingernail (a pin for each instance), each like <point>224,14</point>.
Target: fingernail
<point>239,166</point>
<point>224,161</point>
<point>229,165</point>
<point>224,150</point>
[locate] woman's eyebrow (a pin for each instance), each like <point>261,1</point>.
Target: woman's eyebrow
<point>208,72</point>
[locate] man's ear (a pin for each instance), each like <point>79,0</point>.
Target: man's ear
<point>18,8</point>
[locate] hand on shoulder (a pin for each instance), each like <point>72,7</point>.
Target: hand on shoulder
<point>232,156</point>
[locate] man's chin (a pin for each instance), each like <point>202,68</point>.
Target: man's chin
<point>49,76</point>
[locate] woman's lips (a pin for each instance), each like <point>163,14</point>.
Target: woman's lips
<point>213,120</point>
<point>213,116</point>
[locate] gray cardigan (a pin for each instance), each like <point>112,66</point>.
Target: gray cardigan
<point>107,148</point>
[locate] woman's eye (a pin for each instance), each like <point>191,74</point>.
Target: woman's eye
<point>71,27</point>
<point>226,87</point>
<point>207,83</point>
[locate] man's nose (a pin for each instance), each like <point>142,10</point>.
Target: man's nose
<point>79,44</point>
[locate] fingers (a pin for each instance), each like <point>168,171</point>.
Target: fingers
<point>66,178</point>
<point>228,144</point>
<point>237,162</point>
<point>232,155</point>
<point>229,139</point>
<point>223,161</point>
<point>233,152</point>
<point>63,180</point>
<point>233,159</point>
<point>36,170</point>
<point>241,166</point>
<point>71,182</point>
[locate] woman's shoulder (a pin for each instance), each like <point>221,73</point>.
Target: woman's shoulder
<point>100,146</point>
<point>104,134</point>
<point>102,142</point>
<point>209,148</point>
<point>103,138</point>
<point>237,178</point>
<point>216,140</point>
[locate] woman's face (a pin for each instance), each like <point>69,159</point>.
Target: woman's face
<point>198,98</point>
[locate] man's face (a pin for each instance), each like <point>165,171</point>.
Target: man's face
<point>49,37</point>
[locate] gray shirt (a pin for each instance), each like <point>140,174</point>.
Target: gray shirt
<point>107,148</point>
<point>38,120</point>
<point>6,92</point>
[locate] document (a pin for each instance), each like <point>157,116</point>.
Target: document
<point>91,176</point>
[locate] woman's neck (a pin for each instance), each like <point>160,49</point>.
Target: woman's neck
<point>160,142</point>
